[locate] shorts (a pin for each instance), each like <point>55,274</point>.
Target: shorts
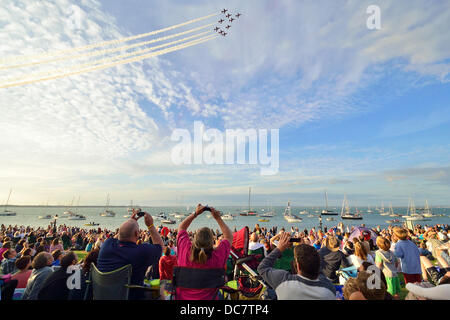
<point>435,276</point>
<point>393,285</point>
<point>412,278</point>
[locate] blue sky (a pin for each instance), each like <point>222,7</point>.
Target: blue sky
<point>362,112</point>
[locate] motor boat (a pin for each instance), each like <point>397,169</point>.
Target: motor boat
<point>227,217</point>
<point>7,213</point>
<point>392,221</point>
<point>77,217</point>
<point>48,216</point>
<point>91,224</point>
<point>168,221</point>
<point>288,216</point>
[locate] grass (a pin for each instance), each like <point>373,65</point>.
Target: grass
<point>81,254</point>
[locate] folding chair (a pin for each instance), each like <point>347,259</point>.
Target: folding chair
<point>113,285</point>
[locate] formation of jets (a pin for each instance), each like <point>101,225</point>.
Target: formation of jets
<point>230,18</point>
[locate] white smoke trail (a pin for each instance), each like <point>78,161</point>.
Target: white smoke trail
<point>101,52</point>
<point>105,43</point>
<point>100,61</point>
<point>120,62</point>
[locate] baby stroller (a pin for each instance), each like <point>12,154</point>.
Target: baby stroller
<point>241,268</point>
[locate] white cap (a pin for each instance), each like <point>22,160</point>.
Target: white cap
<point>441,292</point>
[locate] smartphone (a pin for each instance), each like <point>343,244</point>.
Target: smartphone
<point>295,239</point>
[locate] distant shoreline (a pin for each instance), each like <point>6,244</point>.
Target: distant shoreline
<point>178,206</point>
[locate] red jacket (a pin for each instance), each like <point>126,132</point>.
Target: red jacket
<point>166,264</point>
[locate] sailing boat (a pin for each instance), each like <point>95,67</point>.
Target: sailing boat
<point>268,214</point>
<point>249,212</point>
<point>6,212</point>
<point>327,212</point>
<point>68,212</point>
<point>47,216</point>
<point>427,211</point>
<point>289,216</point>
<point>411,213</point>
<point>347,215</point>
<point>382,212</point>
<point>77,216</point>
<point>129,210</point>
<point>368,209</point>
<point>107,213</point>
<point>391,211</point>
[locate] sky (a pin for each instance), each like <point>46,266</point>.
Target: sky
<point>359,112</point>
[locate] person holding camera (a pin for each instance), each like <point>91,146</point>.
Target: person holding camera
<point>307,284</point>
<point>123,250</point>
<point>201,253</point>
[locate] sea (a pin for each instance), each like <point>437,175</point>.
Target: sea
<point>29,216</point>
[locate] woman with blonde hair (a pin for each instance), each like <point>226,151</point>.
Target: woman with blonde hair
<point>200,253</point>
<point>360,255</point>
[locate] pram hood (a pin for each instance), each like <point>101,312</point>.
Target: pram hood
<point>240,242</point>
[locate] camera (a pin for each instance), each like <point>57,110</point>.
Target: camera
<point>207,209</point>
<point>295,239</point>
<point>141,213</point>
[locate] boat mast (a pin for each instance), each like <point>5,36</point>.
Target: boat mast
<point>326,200</point>
<point>343,204</point>
<point>78,204</point>
<point>7,201</point>
<point>249,191</point>
<point>107,203</point>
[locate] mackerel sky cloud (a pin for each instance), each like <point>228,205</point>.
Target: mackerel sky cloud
<point>356,108</point>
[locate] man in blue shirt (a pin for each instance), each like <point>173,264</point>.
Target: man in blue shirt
<point>122,250</point>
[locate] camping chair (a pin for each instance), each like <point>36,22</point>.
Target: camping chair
<point>246,280</point>
<point>113,285</point>
<point>7,287</point>
<point>195,278</point>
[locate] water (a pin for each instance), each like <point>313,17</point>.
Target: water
<point>28,216</point>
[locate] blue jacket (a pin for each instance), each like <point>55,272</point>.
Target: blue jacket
<point>409,256</point>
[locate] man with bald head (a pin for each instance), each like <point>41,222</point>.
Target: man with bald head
<point>122,250</point>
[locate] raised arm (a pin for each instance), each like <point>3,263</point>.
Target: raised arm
<point>184,225</point>
<point>227,234</point>
<point>156,238</point>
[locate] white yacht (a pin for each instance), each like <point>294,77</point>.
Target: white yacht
<point>107,213</point>
<point>168,221</point>
<point>48,216</point>
<point>227,217</point>
<point>6,212</point>
<point>289,216</point>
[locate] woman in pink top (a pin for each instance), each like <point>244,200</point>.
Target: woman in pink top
<point>23,264</point>
<point>56,245</point>
<point>201,253</point>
